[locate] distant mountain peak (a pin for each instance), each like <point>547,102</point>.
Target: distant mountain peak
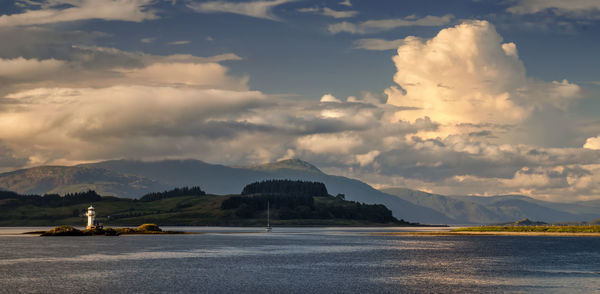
<point>294,164</point>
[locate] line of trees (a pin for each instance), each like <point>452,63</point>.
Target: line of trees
<point>52,199</point>
<point>287,187</point>
<point>184,191</point>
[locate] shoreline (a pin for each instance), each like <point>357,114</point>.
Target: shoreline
<point>471,233</point>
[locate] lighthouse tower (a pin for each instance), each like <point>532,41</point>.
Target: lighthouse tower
<point>91,215</point>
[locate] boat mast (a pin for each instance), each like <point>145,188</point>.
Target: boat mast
<point>268,215</point>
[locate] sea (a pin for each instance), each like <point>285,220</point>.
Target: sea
<point>297,260</point>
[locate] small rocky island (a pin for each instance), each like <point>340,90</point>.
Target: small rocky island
<point>94,228</point>
<point>145,229</point>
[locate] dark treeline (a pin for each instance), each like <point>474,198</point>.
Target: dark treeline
<point>185,191</point>
<point>361,211</point>
<point>288,187</point>
<point>70,198</point>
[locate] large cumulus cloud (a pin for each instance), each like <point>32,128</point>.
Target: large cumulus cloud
<point>466,74</point>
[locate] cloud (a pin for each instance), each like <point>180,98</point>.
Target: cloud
<point>34,42</point>
<point>183,42</point>
<point>148,40</point>
<point>57,11</point>
<point>120,111</point>
<point>330,98</point>
<point>339,14</point>
<point>465,74</point>
<point>8,159</point>
<point>257,9</point>
<point>309,10</point>
<point>346,3</point>
<point>373,26</point>
<point>592,143</point>
<point>367,158</point>
<point>71,124</point>
<point>329,12</point>
<point>95,54</point>
<point>28,69</point>
<point>585,9</point>
<point>378,44</point>
<point>205,75</point>
<point>329,143</point>
<point>90,66</point>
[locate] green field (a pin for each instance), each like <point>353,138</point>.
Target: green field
<point>541,229</point>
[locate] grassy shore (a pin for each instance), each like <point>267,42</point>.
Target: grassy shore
<point>557,231</point>
<point>539,229</point>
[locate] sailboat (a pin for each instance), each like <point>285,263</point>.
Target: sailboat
<point>268,229</point>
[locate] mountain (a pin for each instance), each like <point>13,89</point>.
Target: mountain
<point>460,211</point>
<point>220,179</point>
<point>69,179</point>
<point>497,209</point>
<point>132,179</point>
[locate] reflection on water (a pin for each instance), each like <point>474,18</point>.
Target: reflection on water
<point>298,260</point>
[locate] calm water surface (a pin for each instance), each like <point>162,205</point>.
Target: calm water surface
<point>298,260</point>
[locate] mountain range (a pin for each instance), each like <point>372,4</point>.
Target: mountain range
<point>132,179</point>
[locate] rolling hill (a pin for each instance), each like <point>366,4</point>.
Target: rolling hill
<point>69,179</point>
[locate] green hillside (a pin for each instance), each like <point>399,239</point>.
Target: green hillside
<point>178,207</point>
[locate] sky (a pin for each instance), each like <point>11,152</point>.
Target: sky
<point>465,97</point>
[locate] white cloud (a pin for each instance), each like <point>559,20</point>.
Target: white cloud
<point>309,10</point>
<point>586,9</point>
<point>592,143</point>
<point>57,11</point>
<point>141,58</point>
<point>372,26</point>
<point>28,69</point>
<point>330,98</point>
<point>88,66</point>
<point>378,44</point>
<point>258,9</point>
<point>73,123</point>
<point>329,12</point>
<point>329,143</point>
<point>367,158</point>
<point>205,75</point>
<point>339,14</point>
<point>466,74</point>
<point>182,42</point>
<point>147,40</point>
<point>346,3</point>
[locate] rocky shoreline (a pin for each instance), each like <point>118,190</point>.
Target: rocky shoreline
<point>145,229</point>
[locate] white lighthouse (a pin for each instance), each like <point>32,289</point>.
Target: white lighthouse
<point>91,215</point>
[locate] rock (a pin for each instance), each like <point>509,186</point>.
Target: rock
<point>148,228</point>
<point>63,231</point>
